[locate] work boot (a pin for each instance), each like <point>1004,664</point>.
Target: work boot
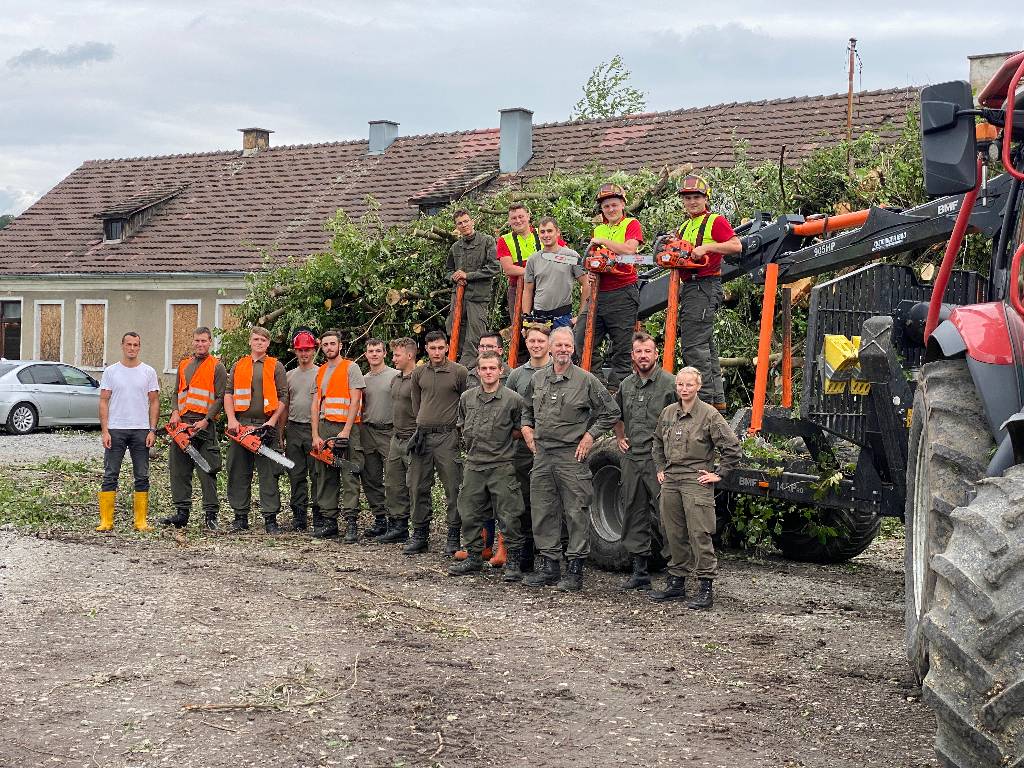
<point>500,553</point>
<point>397,533</point>
<point>299,520</point>
<point>106,499</point>
<point>270,524</point>
<point>526,556</point>
<point>351,531</point>
<point>328,528</point>
<point>640,579</point>
<point>211,520</point>
<point>549,574</point>
<point>703,600</point>
<point>379,527</point>
<point>241,522</point>
<point>452,545</point>
<point>512,571</point>
<point>418,541</point>
<point>573,579</point>
<point>472,564</point>
<point>179,519</point>
<point>140,506</point>
<point>675,589</point>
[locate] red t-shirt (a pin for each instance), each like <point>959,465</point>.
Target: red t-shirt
<point>721,231</point>
<point>502,251</point>
<point>623,274</point>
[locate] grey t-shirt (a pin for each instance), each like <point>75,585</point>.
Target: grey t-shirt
<point>300,394</point>
<point>552,282</point>
<point>377,405</point>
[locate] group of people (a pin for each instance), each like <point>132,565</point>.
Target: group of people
<point>510,446</point>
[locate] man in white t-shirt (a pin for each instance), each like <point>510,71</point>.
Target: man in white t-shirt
<point>129,409</point>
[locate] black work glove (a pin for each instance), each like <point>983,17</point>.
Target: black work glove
<point>417,444</point>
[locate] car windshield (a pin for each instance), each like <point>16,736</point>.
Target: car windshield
<point>5,367</point>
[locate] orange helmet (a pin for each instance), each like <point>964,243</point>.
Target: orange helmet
<point>610,190</point>
<point>694,183</point>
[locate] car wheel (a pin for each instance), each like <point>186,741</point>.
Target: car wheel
<point>22,419</point>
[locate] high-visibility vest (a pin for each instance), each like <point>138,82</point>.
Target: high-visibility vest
<point>522,246</point>
<point>243,394</point>
<point>614,232</point>
<point>196,396</point>
<point>336,401</point>
<point>698,229</point>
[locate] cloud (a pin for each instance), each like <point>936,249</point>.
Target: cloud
<point>69,58</point>
<point>13,200</point>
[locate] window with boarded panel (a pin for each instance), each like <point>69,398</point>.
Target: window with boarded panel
<point>92,331</point>
<point>184,320</point>
<point>229,318</point>
<point>51,322</point>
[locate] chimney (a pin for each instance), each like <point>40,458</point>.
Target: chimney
<point>382,134</point>
<point>255,140</point>
<point>983,66</point>
<point>516,131</point>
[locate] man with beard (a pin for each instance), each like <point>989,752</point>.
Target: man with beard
<point>641,398</point>
<point>566,409</point>
<point>337,402</point>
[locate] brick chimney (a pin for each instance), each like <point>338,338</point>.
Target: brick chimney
<point>255,140</point>
<point>516,142</point>
<point>382,134</point>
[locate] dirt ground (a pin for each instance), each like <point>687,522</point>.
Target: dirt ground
<point>131,650</point>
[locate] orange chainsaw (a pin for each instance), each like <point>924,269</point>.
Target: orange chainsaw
<point>335,454</point>
<point>600,259</point>
<point>182,435</point>
<point>254,439</point>
<point>676,253</point>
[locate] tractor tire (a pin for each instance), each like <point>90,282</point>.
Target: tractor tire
<point>975,629</point>
<point>855,532</point>
<point>947,454</point>
<point>606,549</point>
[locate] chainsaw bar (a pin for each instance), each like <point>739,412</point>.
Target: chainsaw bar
<point>198,460</point>
<point>273,455</point>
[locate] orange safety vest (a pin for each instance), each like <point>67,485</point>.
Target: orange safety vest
<point>243,395</point>
<point>337,400</point>
<point>196,396</point>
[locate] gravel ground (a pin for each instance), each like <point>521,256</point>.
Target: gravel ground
<point>40,446</point>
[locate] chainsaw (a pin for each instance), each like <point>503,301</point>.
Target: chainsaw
<point>182,435</point>
<point>335,454</point>
<point>253,439</point>
<point>675,253</point>
<point>600,259</point>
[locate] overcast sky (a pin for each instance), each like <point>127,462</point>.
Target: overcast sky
<point>89,79</point>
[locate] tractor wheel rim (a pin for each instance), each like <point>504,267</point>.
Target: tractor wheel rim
<point>22,419</point>
<point>605,512</point>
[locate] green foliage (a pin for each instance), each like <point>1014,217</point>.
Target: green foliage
<point>5,220</point>
<point>607,93</point>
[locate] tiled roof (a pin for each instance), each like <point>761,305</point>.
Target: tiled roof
<point>233,208</point>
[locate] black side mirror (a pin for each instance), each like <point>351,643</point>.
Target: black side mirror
<point>948,144</point>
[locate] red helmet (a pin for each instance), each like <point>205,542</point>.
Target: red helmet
<point>304,340</point>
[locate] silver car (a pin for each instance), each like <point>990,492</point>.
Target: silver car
<point>38,393</point>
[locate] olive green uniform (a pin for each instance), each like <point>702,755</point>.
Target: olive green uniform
<point>375,436</point>
<point>684,444</point>
<point>242,463</point>
<point>339,486</point>
<point>298,436</point>
<point>205,441</point>
<point>435,397</point>
<point>472,380</point>
<point>561,408</point>
<point>487,421</point>
<point>477,257</point>
<point>519,382</point>
<point>641,401</point>
<point>396,469</point>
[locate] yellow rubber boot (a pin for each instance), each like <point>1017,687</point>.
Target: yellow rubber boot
<point>106,511</point>
<point>140,503</point>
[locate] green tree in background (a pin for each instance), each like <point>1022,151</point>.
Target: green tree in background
<point>607,93</point>
<point>5,220</point>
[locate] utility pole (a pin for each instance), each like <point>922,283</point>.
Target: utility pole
<point>849,102</point>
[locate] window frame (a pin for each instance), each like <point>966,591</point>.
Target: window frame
<point>216,320</point>
<point>21,325</point>
<point>79,303</point>
<point>170,365</point>
<point>37,341</point>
